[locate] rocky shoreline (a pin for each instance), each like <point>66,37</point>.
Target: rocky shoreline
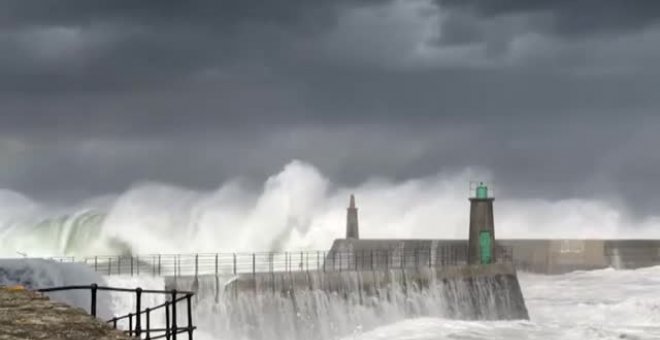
<point>30,315</point>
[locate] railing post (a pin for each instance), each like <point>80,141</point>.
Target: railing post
<point>363,259</point>
<point>190,322</point>
<point>114,323</point>
<point>138,307</point>
<point>178,264</point>
<point>270,261</point>
<point>196,264</point>
<point>159,268</point>
<point>216,264</point>
<point>174,267</point>
<point>430,256</point>
<point>217,281</point>
<point>118,265</point>
<point>318,260</point>
<point>372,259</point>
<point>174,326</point>
<point>388,256</point>
<point>96,264</point>
<point>234,258</point>
<point>254,265</point>
<point>93,307</point>
<point>167,321</point>
<point>130,324</point>
<point>148,329</point>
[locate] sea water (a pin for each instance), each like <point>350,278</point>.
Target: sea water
<point>600,304</point>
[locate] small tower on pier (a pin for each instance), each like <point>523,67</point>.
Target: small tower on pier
<point>352,220</point>
<point>481,244</point>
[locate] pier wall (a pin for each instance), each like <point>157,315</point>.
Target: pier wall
<point>333,304</point>
<point>469,292</point>
<point>556,256</point>
<point>378,268</point>
<point>547,256</point>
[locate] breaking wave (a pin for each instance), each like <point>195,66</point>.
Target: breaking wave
<point>297,208</point>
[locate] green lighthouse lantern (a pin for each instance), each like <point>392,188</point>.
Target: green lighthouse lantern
<point>482,191</point>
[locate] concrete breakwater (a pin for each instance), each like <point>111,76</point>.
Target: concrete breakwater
<point>469,292</point>
<point>367,271</point>
<point>331,304</point>
<point>557,256</point>
<point>545,256</point>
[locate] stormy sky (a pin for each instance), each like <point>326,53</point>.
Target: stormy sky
<point>556,99</point>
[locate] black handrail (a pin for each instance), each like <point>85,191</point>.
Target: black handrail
<point>248,263</point>
<point>135,329</point>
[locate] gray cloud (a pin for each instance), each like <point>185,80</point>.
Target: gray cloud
<point>569,17</point>
<point>96,95</point>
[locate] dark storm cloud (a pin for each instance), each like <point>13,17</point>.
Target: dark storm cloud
<point>556,98</point>
<point>125,44</point>
<point>119,44</point>
<point>571,17</point>
<point>161,12</point>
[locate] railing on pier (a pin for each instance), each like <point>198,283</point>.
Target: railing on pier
<point>248,263</point>
<point>135,325</point>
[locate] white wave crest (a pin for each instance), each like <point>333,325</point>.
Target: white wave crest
<point>297,208</point>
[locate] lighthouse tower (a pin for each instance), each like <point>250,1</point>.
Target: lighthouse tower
<point>481,244</point>
<point>352,220</point>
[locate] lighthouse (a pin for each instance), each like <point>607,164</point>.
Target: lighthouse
<point>352,220</point>
<point>481,244</point>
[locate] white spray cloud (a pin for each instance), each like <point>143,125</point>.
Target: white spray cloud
<point>297,208</point>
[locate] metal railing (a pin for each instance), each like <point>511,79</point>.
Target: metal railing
<point>135,326</point>
<point>249,263</point>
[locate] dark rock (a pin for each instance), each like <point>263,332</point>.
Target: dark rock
<point>29,315</point>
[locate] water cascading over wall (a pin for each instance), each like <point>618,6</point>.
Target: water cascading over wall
<point>327,305</point>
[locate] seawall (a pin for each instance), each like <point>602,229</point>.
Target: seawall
<point>332,304</point>
<point>557,256</point>
<point>546,256</point>
<point>471,292</point>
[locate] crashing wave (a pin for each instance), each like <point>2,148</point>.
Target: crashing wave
<point>66,235</point>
